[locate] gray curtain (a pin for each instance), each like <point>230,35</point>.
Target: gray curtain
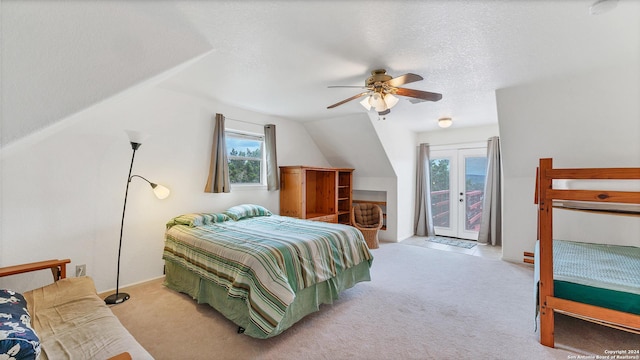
<point>218,180</point>
<point>272,158</point>
<point>491,225</point>
<point>423,224</point>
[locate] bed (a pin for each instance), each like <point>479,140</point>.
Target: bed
<point>595,282</point>
<point>262,271</point>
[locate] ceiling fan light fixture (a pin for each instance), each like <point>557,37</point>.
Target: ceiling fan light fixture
<point>390,100</point>
<point>366,103</point>
<point>382,89</point>
<point>445,122</point>
<point>377,101</point>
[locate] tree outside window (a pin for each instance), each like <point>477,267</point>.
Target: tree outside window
<point>245,155</point>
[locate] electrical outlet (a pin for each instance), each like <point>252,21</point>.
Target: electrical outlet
<point>81,270</point>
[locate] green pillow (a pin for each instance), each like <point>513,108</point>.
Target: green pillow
<point>197,219</point>
<point>215,218</point>
<point>245,211</point>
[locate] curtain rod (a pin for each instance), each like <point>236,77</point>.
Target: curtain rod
<point>472,143</point>
<point>462,143</point>
<point>244,121</point>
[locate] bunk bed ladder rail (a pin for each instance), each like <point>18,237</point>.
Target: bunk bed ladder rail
<point>545,236</point>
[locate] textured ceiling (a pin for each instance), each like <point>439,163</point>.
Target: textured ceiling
<point>278,57</point>
<point>60,57</point>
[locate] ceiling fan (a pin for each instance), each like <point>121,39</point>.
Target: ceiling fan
<point>381,91</point>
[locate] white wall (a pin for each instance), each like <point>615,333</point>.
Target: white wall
<point>62,194</point>
<point>454,136</point>
<point>399,144</point>
<point>584,120</point>
<point>352,141</point>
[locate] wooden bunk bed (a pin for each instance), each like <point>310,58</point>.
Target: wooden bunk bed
<point>547,197</point>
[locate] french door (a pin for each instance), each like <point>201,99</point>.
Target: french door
<point>457,189</point>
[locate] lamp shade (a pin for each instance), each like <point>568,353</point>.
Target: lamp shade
<point>160,191</point>
<point>390,100</point>
<point>380,101</point>
<point>377,101</point>
<point>365,103</point>
<point>136,136</point>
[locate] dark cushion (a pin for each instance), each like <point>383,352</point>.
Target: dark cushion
<point>17,338</point>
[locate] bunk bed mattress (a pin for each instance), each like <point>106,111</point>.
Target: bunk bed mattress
<point>265,273</point>
<point>597,274</point>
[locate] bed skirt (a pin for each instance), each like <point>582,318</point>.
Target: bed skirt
<point>307,300</point>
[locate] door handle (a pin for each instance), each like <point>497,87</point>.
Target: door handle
<point>461,200</point>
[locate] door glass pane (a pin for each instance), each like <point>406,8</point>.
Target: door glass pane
<point>475,169</point>
<point>440,192</point>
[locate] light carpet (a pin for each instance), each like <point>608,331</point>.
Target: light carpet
<point>421,304</point>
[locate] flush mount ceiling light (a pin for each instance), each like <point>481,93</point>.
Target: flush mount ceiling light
<point>445,122</point>
<point>602,6</point>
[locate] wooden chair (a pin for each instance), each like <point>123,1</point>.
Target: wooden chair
<point>367,218</point>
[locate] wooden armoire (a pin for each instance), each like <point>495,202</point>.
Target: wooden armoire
<point>316,193</point>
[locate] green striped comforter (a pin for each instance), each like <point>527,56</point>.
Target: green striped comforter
<point>265,260</point>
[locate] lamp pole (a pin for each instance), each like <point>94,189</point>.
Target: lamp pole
<point>118,297</point>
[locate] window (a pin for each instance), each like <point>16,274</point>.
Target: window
<point>245,153</point>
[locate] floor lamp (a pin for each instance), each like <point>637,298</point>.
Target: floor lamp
<point>160,191</point>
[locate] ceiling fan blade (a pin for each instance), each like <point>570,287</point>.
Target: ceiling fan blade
<point>347,100</point>
<point>404,79</point>
<point>418,94</point>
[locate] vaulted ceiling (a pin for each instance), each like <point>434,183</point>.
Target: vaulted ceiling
<point>279,57</point>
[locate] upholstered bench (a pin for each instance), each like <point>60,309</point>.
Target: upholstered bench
<point>63,320</point>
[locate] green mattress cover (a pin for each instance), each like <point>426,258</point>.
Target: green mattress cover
<point>597,274</point>
<point>307,301</point>
<point>610,267</point>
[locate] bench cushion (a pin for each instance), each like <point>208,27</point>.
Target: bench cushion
<point>17,338</point>
<point>74,323</point>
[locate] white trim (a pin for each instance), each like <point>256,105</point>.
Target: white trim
<point>110,291</point>
<point>244,187</point>
<point>245,134</point>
